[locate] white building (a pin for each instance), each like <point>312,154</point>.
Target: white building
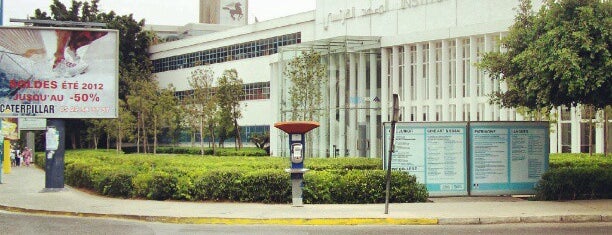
<point>423,50</point>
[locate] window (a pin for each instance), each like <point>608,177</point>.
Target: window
<point>413,72</point>
<point>438,70</point>
<point>452,71</point>
<point>480,76</point>
<point>245,50</point>
<point>466,68</point>
<point>426,70</point>
<point>251,91</point>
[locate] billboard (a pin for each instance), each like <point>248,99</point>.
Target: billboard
<point>433,152</point>
<point>58,72</point>
<point>471,158</point>
<point>507,157</point>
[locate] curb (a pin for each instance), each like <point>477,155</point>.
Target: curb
<point>526,219</point>
<point>234,221</point>
<point>323,221</point>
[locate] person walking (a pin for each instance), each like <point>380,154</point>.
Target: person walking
<point>27,156</point>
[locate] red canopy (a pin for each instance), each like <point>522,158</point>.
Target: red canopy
<point>296,127</point>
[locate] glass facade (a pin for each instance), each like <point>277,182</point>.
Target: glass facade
<point>251,91</point>
<point>262,47</point>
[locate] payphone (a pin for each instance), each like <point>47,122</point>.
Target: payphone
<point>296,131</point>
<point>296,153</point>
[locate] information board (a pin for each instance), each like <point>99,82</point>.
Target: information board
<point>507,157</point>
<point>434,152</point>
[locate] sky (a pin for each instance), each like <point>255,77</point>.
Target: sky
<point>161,12</point>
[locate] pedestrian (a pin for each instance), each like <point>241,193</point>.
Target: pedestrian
<point>13,158</point>
<point>27,156</point>
<point>18,157</point>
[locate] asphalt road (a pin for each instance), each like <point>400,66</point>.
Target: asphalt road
<point>15,223</point>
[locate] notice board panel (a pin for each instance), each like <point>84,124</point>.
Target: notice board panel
<point>507,157</point>
<point>434,152</point>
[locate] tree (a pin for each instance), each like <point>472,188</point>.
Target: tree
<point>165,106</point>
<point>307,74</point>
<point>229,93</point>
<point>557,57</point>
<point>262,141</point>
<point>140,100</point>
<point>202,104</point>
<point>121,128</point>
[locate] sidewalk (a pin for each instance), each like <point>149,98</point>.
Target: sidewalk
<point>21,192</point>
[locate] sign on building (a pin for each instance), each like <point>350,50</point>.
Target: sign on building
<point>233,12</point>
<point>58,72</point>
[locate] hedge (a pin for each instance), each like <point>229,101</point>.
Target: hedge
<point>243,179</point>
<point>576,176</point>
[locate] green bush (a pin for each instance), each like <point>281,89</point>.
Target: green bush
<point>267,186</point>
<point>246,151</point>
<point>247,179</point>
<point>218,185</point>
<point>575,177</point>
<point>574,183</point>
<point>559,160</point>
<point>319,185</point>
<point>358,186</point>
<point>116,183</point>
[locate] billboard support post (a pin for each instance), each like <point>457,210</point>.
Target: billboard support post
<point>54,163</point>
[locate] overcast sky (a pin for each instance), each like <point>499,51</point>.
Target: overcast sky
<point>166,12</point>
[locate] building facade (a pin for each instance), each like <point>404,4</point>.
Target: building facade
<point>425,51</point>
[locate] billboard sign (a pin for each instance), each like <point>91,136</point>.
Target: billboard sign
<point>58,72</point>
<point>507,157</point>
<point>32,124</point>
<point>471,158</point>
<point>434,152</point>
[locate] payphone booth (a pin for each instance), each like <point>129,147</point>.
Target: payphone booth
<point>297,144</point>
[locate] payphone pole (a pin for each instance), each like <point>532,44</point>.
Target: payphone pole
<point>297,145</point>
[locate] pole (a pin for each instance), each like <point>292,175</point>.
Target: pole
<point>54,164</point>
<point>391,149</point>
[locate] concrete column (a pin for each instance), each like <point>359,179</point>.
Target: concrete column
<point>445,82</point>
<point>473,74</point>
<point>431,100</point>
<point>420,83</point>
<point>373,112</point>
<point>599,133</point>
<point>324,122</point>
<point>342,105</point>
<point>488,84</point>
<point>503,113</point>
<point>384,99</point>
<point>275,136</point>
<point>361,92</point>
<point>576,117</point>
<point>351,141</point>
<point>554,133</point>
<point>459,80</point>
<point>395,77</point>
<point>407,99</point>
<point>333,109</point>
